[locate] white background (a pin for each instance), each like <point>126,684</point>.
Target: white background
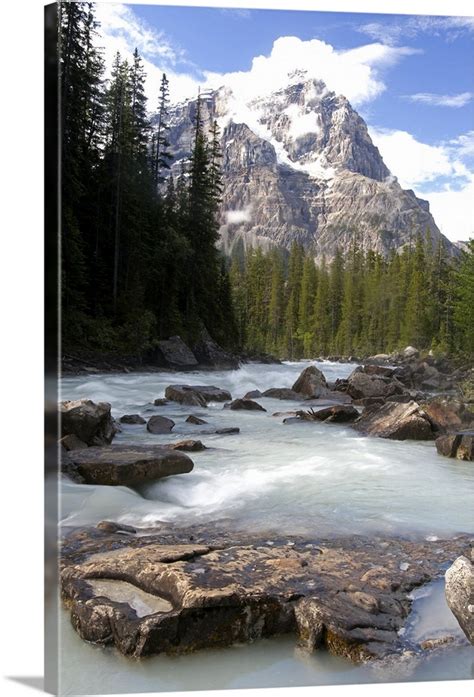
<point>21,323</point>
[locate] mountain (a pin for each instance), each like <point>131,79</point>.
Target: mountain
<point>299,165</point>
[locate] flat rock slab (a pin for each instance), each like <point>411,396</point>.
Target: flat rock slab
<point>196,395</point>
<point>125,465</point>
<point>347,595</point>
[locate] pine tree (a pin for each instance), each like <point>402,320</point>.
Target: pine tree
<point>464,300</point>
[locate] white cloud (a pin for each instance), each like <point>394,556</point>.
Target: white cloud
<point>450,100</point>
<point>355,73</point>
<point>392,32</point>
<point>422,167</point>
<point>243,215</point>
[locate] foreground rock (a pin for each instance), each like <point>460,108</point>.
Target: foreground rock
<point>457,445</point>
<point>91,423</point>
<point>396,421</point>
<point>160,424</point>
<point>311,383</point>
<point>124,465</point>
<point>196,395</point>
<point>245,404</point>
<point>460,594</point>
<point>173,591</point>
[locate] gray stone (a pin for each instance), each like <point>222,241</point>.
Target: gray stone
<point>132,419</point>
<point>311,383</point>
<point>196,395</point>
<point>395,421</point>
<point>244,404</point>
<point>159,424</point>
<point>174,353</point>
<point>92,423</point>
<point>460,594</point>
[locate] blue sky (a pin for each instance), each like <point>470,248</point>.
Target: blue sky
<point>410,77</point>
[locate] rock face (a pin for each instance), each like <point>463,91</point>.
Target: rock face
<point>124,465</point>
<point>395,421</point>
<point>196,395</point>
<point>291,162</point>
<point>245,404</point>
<point>174,353</point>
<point>169,595</point>
<point>159,424</point>
<point>311,383</point>
<point>91,423</point>
<point>457,445</point>
<point>460,594</point>
<point>211,355</point>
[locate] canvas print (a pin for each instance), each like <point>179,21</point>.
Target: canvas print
<point>266,339</point>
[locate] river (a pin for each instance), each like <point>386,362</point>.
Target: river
<point>296,478</point>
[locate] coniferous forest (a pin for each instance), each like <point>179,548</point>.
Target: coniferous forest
<point>138,246</point>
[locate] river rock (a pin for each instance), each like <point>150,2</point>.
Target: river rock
<point>372,381</point>
<point>457,445</point>
<point>132,419</point>
<point>460,594</point>
<point>92,423</point>
<point>282,393</point>
<point>311,383</point>
<point>189,446</point>
<point>174,353</point>
<point>160,424</point>
<point>170,595</point>
<point>160,402</point>
<point>339,413</point>
<point>196,395</point>
<point>253,394</point>
<point>210,355</point>
<point>246,404</point>
<point>396,421</point>
<point>192,419</point>
<point>72,442</point>
<point>410,352</point>
<point>448,415</point>
<point>229,431</point>
<point>121,465</point>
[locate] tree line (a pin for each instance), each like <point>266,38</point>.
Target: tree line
<point>357,304</point>
<point>138,246</point>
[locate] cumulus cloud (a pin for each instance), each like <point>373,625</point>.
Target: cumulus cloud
<point>450,100</point>
<point>236,217</point>
<point>453,211</point>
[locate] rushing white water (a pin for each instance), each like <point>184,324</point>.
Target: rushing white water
<point>295,478</point>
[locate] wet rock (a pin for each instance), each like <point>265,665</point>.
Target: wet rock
<point>311,383</point>
<point>124,465</point>
<point>369,401</point>
<point>396,421</point>
<point>282,393</point>
<point>190,446</point>
<point>72,442</point>
<point>457,445</point>
<point>460,594</point>
<point>245,404</point>
<point>222,590</point>
<point>196,395</point>
<point>132,419</point>
<point>111,526</point>
<point>92,423</point>
<point>339,413</point>
<point>174,353</point>
<point>211,355</point>
<point>448,415</point>
<point>195,420</point>
<point>160,402</point>
<point>372,381</point>
<point>228,431</point>
<point>159,424</point>
<point>253,394</point>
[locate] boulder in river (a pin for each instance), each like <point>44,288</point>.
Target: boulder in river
<point>245,404</point>
<point>448,415</point>
<point>90,422</point>
<point>188,446</point>
<point>282,393</point>
<point>196,395</point>
<point>253,394</point>
<point>372,381</point>
<point>396,421</point>
<point>459,591</point>
<point>192,419</point>
<point>457,445</point>
<point>339,413</point>
<point>72,442</point>
<point>160,402</point>
<point>311,383</point>
<point>160,593</point>
<point>132,419</point>
<point>122,465</point>
<point>159,424</point>
<point>229,431</point>
<point>174,353</point>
